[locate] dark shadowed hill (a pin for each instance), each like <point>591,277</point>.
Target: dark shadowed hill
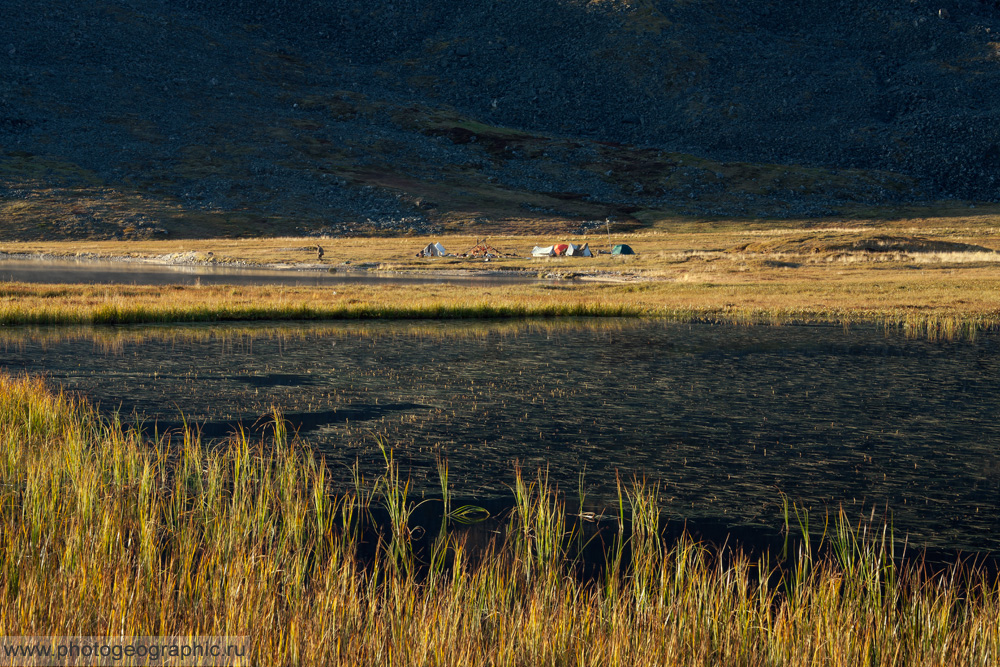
<point>137,118</point>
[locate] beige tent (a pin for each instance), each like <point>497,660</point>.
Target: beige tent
<point>433,250</point>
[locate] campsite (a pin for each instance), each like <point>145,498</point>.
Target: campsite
<point>483,250</point>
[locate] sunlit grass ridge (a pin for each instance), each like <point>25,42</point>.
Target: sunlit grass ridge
<point>932,313</point>
<point>105,533</point>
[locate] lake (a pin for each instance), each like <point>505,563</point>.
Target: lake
<point>88,271</point>
<point>724,418</point>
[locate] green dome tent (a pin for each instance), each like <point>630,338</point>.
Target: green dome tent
<point>622,249</point>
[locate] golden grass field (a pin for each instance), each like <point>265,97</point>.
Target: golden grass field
<point>932,274</point>
<point>104,532</point>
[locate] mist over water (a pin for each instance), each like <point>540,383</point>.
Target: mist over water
<point>724,418</point>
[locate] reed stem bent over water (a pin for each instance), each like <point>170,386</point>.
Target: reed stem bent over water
<point>107,533</point>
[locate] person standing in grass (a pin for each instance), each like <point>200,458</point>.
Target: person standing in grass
<point>319,252</point>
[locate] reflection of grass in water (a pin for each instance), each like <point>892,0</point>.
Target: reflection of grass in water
<point>102,530</point>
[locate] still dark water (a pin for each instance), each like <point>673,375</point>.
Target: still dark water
<point>724,418</point>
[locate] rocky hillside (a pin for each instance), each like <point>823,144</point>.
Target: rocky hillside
<point>138,118</point>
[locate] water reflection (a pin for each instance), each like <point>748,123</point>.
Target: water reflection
<point>724,418</point>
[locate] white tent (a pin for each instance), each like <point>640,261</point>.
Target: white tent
<point>579,250</point>
<point>433,250</point>
<point>547,251</point>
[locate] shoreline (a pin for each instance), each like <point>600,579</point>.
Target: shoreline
<point>195,259</point>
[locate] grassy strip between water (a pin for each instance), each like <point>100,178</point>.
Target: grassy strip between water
<point>934,311</point>
<point>107,534</point>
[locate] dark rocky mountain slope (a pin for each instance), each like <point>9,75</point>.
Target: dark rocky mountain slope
<point>138,118</point>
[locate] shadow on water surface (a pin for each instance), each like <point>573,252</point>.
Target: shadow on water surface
<point>724,418</point>
<point>301,423</point>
